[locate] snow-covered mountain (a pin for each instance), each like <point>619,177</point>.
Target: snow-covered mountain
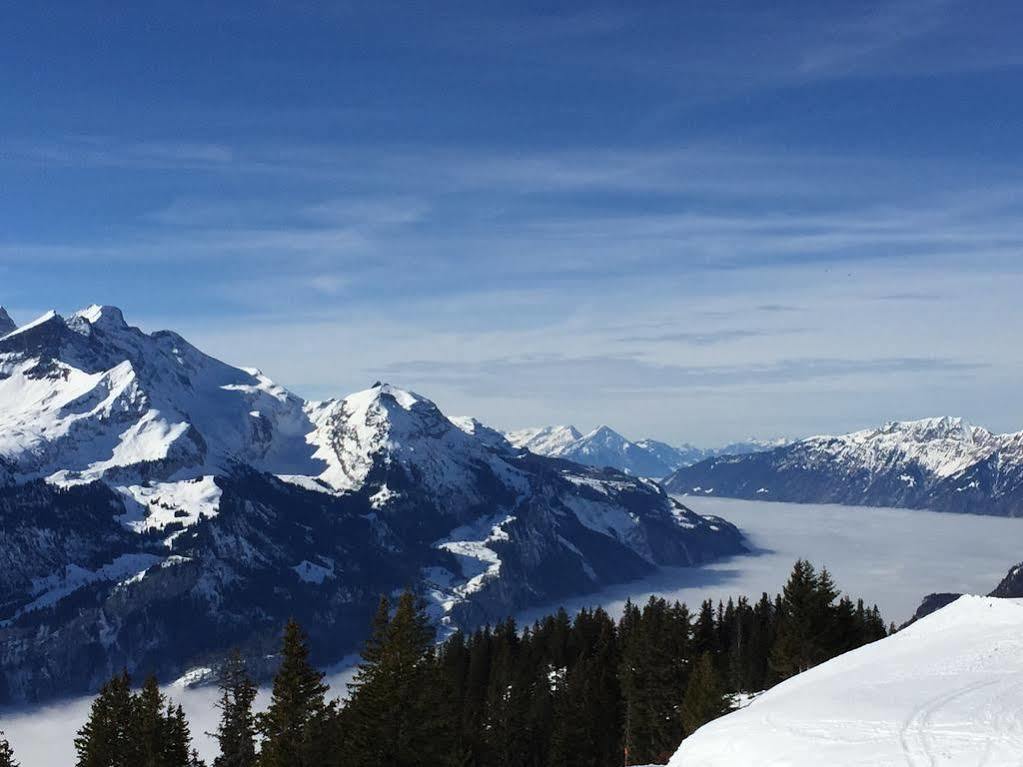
<point>947,690</point>
<point>605,447</point>
<point>944,464</point>
<point>599,448</point>
<point>158,506</point>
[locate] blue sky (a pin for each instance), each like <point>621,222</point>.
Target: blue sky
<point>694,221</point>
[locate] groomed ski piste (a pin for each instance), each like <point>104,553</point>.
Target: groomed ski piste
<point>947,690</point>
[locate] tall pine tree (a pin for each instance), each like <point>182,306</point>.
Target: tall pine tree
<point>149,726</point>
<point>805,621</point>
<point>399,713</point>
<point>106,738</point>
<point>236,733</point>
<point>297,707</point>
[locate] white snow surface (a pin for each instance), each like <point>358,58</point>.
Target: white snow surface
<point>947,690</point>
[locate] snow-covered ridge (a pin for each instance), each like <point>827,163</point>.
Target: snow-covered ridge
<point>947,690</point>
<point>944,463</point>
<point>944,445</point>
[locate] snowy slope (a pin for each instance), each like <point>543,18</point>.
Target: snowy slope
<point>947,690</point>
<point>939,463</point>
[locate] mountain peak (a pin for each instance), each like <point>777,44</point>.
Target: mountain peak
<point>605,432</point>
<point>383,392</point>
<point>7,325</point>
<point>105,317</point>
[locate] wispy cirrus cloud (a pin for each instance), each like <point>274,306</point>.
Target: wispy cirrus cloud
<point>547,373</point>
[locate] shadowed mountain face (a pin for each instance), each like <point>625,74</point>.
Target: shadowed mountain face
<point>944,464</point>
<point>158,507</point>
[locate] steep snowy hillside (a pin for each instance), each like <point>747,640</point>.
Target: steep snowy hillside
<point>158,506</point>
<point>937,463</point>
<point>947,690</point>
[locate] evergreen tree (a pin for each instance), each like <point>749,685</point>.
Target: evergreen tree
<point>588,708</point>
<point>655,653</point>
<point>177,744</point>
<point>105,740</point>
<point>399,713</point>
<point>149,726</point>
<point>704,699</point>
<point>297,703</point>
<point>6,753</point>
<point>236,733</point>
<point>505,737</point>
<point>805,628</point>
<point>705,635</point>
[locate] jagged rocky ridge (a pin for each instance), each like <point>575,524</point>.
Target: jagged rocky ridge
<point>944,464</point>
<point>158,506</point>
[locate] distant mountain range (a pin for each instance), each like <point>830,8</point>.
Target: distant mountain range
<point>158,507</point>
<point>944,464</point>
<point>604,447</point>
